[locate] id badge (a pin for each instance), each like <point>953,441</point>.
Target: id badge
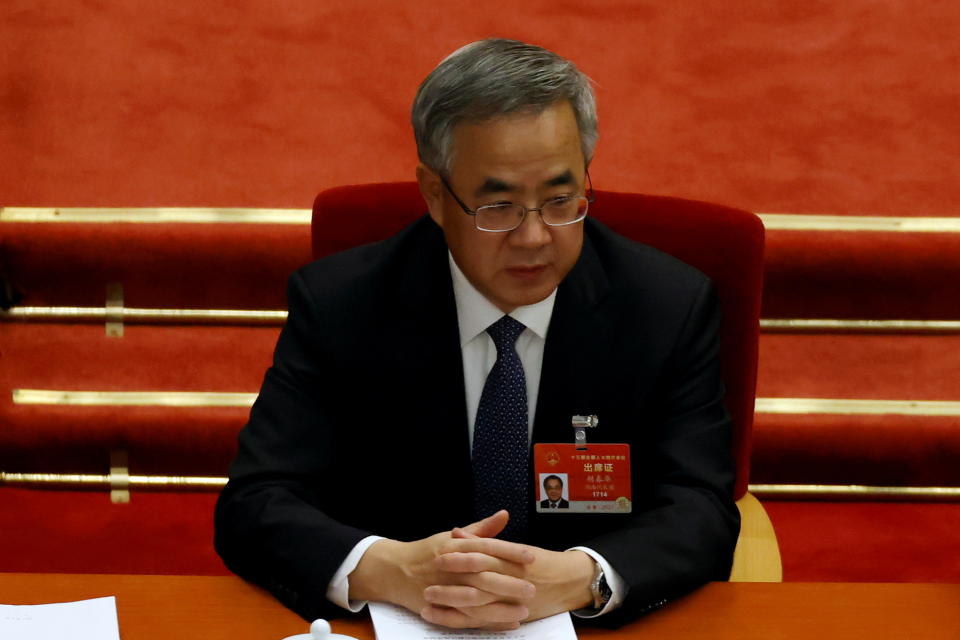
<point>595,479</point>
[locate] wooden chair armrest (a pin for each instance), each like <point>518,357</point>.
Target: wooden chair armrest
<point>757,556</point>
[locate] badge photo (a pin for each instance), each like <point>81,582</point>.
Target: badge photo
<point>553,491</point>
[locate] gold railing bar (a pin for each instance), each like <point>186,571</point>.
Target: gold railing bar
<point>133,398</point>
<point>218,482</point>
<point>902,224</point>
<point>279,316</point>
<point>157,215</point>
<point>216,315</point>
<point>853,491</point>
<point>84,479</point>
<point>195,482</point>
<point>772,221</point>
<point>144,316</point>
<point>104,481</point>
<point>67,314</point>
<point>807,406</point>
<point>859,326</point>
<point>802,406</point>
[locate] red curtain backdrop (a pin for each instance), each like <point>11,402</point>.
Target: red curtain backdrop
<point>775,106</point>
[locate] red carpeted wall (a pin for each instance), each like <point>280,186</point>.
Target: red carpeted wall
<point>81,532</point>
<point>832,107</point>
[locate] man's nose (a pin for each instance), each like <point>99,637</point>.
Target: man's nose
<point>532,232</point>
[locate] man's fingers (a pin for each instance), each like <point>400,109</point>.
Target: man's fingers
<point>508,588</point>
<point>509,551</point>
<point>481,589</point>
<point>454,595</point>
<point>499,616</point>
<point>466,563</point>
<point>490,526</point>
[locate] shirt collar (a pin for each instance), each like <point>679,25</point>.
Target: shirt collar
<point>475,313</point>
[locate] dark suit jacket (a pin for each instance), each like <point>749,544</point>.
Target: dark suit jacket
<point>360,426</point>
<point>561,504</point>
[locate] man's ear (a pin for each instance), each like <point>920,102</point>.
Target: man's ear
<point>432,191</point>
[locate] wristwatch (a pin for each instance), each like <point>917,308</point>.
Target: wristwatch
<point>600,589</point>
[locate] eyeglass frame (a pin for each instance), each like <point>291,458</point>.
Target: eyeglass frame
<point>589,195</point>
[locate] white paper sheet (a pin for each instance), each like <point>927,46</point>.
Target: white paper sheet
<point>395,623</point>
<point>94,619</point>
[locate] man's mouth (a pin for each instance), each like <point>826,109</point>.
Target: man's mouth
<point>524,272</point>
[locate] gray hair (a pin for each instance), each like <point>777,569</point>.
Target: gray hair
<point>495,77</point>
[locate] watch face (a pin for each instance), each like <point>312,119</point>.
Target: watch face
<point>604,588</point>
<point>600,590</point>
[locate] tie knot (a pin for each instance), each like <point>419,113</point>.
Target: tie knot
<point>505,332</point>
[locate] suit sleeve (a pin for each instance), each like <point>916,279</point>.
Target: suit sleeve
<point>686,535</point>
<point>269,524</point>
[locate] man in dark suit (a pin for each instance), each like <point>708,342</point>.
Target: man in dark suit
<point>553,488</point>
<point>438,357</point>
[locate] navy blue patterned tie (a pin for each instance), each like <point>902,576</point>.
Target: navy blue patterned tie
<point>501,449</point>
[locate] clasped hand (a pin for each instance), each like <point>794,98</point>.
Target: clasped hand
<point>466,578</point>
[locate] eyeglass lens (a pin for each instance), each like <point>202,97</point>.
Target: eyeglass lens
<point>505,217</point>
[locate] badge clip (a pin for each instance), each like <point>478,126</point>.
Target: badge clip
<point>580,426</point>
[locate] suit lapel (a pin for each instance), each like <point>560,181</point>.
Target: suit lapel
<point>429,348</point>
<point>578,341</point>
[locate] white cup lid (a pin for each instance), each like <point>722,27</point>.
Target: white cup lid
<point>320,630</point>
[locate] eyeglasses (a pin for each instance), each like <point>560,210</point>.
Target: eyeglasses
<point>507,216</point>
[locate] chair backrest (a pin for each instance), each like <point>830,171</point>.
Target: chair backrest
<point>724,243</point>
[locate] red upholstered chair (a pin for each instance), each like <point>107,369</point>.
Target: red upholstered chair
<point>724,243</point>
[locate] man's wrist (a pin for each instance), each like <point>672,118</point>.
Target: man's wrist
<point>377,575</point>
<point>583,570</point>
<point>615,582</point>
<point>338,590</point>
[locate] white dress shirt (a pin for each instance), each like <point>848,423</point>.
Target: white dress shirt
<point>474,314</point>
